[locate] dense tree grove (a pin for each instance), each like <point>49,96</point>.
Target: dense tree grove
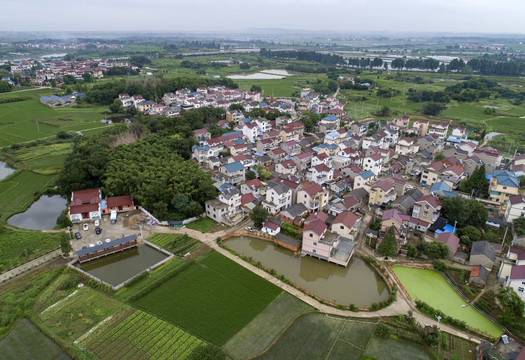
<point>464,211</point>
<point>325,59</point>
<point>477,184</point>
<point>150,89</point>
<point>388,246</point>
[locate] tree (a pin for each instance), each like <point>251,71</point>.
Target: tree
<point>490,237</point>
<point>244,66</point>
<point>65,244</point>
<point>383,112</point>
<point>519,225</point>
<point>87,77</point>
<point>439,156</point>
<point>5,86</point>
<point>250,175</point>
<point>255,88</point>
<point>263,173</point>
<point>433,108</point>
<point>476,184</point>
<point>259,216</point>
<point>434,250</point>
<point>116,107</point>
<point>464,211</point>
<point>236,107</point>
<point>471,232</point>
<point>388,246</point>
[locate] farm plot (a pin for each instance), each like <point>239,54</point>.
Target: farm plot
<point>74,315</point>
<point>259,333</point>
<point>25,341</point>
<point>176,243</point>
<point>139,335</point>
<point>214,298</point>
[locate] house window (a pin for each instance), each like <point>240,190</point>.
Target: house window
<point>315,251</point>
<point>315,244</point>
<point>311,235</point>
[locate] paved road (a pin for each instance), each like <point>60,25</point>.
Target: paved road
<point>29,265</point>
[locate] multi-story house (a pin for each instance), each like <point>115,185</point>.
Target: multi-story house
<point>250,131</point>
<point>515,208</point>
<point>346,224</point>
<point>407,146</point>
<point>421,125</point>
<point>365,180</point>
<point>291,147</point>
<point>253,186</point>
<point>319,243</point>
<point>382,192</point>
<point>303,160</point>
<point>427,208</point>
<point>278,197</point>
<point>401,122</point>
<point>489,156</point>
<point>277,154</point>
<point>227,208</point>
<point>286,167</point>
<point>314,197</point>
<point>85,205</point>
<point>438,128</point>
<point>201,135</point>
<point>263,124</point>
<point>503,185</point>
<point>374,163</point>
<point>320,174</point>
<point>233,173</point>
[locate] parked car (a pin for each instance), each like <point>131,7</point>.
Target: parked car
<point>97,222</point>
<point>249,228</point>
<point>78,236</point>
<point>91,245</point>
<point>85,227</point>
<point>107,240</point>
<point>409,187</point>
<point>84,247</point>
<point>98,230</point>
<point>99,242</point>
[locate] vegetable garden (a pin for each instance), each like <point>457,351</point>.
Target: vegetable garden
<point>143,336</point>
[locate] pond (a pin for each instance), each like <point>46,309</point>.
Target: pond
<point>5,170</point>
<point>117,268</point>
<point>42,215</point>
<point>262,75</point>
<point>357,284</point>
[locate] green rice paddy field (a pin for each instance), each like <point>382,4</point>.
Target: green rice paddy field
<point>432,288</point>
<point>27,120</point>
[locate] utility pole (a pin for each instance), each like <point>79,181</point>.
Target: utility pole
<point>504,236</point>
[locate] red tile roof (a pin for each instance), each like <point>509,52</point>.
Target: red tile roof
<point>271,225</point>
<point>346,218</point>
<point>247,198</point>
<point>117,201</point>
<point>313,189</point>
<point>317,226</point>
<point>449,239</point>
<point>432,201</point>
<point>90,196</point>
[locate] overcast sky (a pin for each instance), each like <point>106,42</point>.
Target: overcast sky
<point>464,16</point>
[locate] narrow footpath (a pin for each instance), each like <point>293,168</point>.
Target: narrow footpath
<point>29,265</point>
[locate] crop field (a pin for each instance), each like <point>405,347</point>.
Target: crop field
<point>176,243</point>
<point>139,335</point>
<point>19,247</point>
<point>321,336</point>
<point>204,225</point>
<point>259,333</point>
<point>25,341</point>
<point>27,120</point>
<point>432,288</point>
<point>74,315</point>
<point>214,298</point>
<point>44,159</point>
<point>18,191</point>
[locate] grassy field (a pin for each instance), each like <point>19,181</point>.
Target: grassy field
<point>27,120</point>
<point>389,349</point>
<point>44,159</point>
<point>25,341</point>
<point>204,225</point>
<point>432,288</point>
<point>19,190</point>
<point>213,299</point>
<point>259,333</point>
<point>73,316</point>
<point>19,247</point>
<point>139,335</point>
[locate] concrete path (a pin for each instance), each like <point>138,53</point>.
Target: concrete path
<point>402,305</point>
<point>29,265</point>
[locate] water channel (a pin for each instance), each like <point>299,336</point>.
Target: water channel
<point>42,215</point>
<point>357,284</point>
<point>117,268</point>
<point>5,170</point>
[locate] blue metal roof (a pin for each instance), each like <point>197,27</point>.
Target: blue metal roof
<point>440,186</point>
<point>506,178</point>
<point>233,133</point>
<point>331,118</point>
<point>366,174</point>
<point>106,245</point>
<point>234,166</point>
